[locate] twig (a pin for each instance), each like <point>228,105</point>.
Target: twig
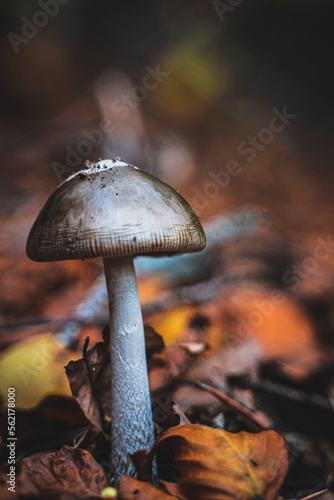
<point>79,438</point>
<point>281,390</point>
<point>253,422</point>
<point>315,495</point>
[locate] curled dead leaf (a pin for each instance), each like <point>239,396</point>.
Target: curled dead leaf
<point>94,403</point>
<point>92,390</point>
<point>153,341</point>
<point>67,474</point>
<point>22,485</point>
<point>70,472</point>
<point>132,489</point>
<point>214,464</point>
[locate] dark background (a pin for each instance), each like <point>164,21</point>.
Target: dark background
<point>227,72</point>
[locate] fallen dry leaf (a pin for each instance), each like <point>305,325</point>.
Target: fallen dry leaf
<point>172,323</point>
<point>169,367</point>
<point>167,413</point>
<point>132,489</point>
<point>34,367</point>
<point>280,328</point>
<point>153,341</point>
<point>165,366</point>
<point>96,404</point>
<point>68,474</point>
<point>215,464</point>
<point>23,486</point>
<point>93,393</point>
<point>69,471</point>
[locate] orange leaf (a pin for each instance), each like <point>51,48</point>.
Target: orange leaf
<point>132,489</point>
<point>215,464</point>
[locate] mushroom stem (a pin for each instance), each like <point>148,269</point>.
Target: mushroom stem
<point>131,410</point>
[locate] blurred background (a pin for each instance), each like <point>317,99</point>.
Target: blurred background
<point>185,84</point>
<point>230,102</point>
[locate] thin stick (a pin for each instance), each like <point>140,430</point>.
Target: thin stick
<point>253,422</point>
<point>281,390</point>
<point>315,495</point>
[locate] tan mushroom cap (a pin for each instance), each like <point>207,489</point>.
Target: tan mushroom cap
<point>112,209</point>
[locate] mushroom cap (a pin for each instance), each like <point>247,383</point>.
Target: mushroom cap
<point>112,209</point>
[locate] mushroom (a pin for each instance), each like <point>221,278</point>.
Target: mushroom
<point>116,211</point>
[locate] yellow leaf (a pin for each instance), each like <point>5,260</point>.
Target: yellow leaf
<point>35,368</point>
<point>172,323</point>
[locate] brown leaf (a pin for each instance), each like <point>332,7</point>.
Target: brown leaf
<point>69,474</point>
<point>94,398</point>
<point>198,491</point>
<point>215,464</point>
<point>132,489</point>
<point>96,404</point>
<point>153,341</point>
<point>167,413</point>
<point>169,367</point>
<point>70,470</point>
<point>22,485</point>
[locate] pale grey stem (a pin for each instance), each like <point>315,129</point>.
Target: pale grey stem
<point>131,410</point>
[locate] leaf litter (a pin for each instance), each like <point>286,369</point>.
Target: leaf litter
<point>221,463</point>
